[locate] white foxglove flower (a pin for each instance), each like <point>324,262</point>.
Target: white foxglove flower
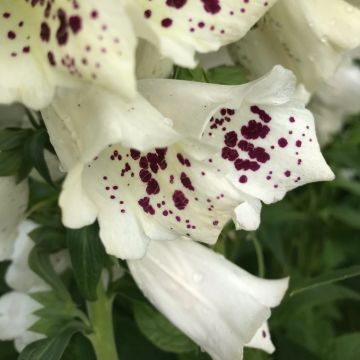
<point>217,304</point>
<point>307,36</point>
<point>50,44</point>
<point>179,28</point>
<point>339,97</point>
<point>16,317</point>
<point>240,145</point>
<point>14,199</point>
<point>46,44</point>
<point>17,307</point>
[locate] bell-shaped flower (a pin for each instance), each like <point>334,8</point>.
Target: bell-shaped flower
<point>221,307</point>
<point>46,44</point>
<point>179,28</point>
<point>308,37</point>
<point>13,199</point>
<point>17,307</point>
<point>16,317</point>
<point>238,145</point>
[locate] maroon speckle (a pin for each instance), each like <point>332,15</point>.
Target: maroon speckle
<point>186,181</point>
<point>167,22</point>
<point>94,14</point>
<point>178,4</point>
<point>254,130</point>
<point>62,33</point>
<point>292,119</point>
<point>147,13</point>
<point>211,6</point>
<point>75,23</point>
<point>51,58</point>
<point>152,187</point>
<point>44,32</point>
<point>229,154</point>
<point>145,175</point>
<point>180,200</point>
<point>263,115</point>
<point>11,35</point>
<point>231,139</point>
<point>287,173</point>
<point>282,142</point>
<point>243,179</point>
<point>298,143</point>
<point>135,154</point>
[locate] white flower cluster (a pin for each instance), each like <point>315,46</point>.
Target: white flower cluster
<point>164,163</point>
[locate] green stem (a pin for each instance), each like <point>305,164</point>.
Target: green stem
<point>100,315</point>
<point>259,255</point>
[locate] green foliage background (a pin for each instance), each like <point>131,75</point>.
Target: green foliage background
<point>313,236</point>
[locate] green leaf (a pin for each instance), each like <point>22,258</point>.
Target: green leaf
<point>34,153</point>
<point>329,278</point>
<point>346,184</point>
<point>314,297</point>
<point>227,75</point>
<point>49,348</point>
<point>197,74</point>
<point>160,331</point>
<point>346,214</point>
<point>10,162</point>
<point>49,239</point>
<point>39,262</point>
<point>11,139</point>
<point>126,287</point>
<point>87,257</point>
<point>345,347</point>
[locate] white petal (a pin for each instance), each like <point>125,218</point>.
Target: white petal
<point>215,303</point>
<point>308,37</point>
<point>18,275</point>
<point>262,340</point>
<point>16,314</point>
<point>76,116</point>
<point>78,209</point>
<point>329,121</point>
<point>247,215</point>
<point>14,198</point>
<point>158,195</point>
<point>47,44</point>
<point>150,63</point>
<point>181,27</point>
<point>25,339</point>
<point>262,138</point>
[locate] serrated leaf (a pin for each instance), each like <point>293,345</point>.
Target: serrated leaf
<point>87,257</point>
<point>160,331</point>
<point>49,348</point>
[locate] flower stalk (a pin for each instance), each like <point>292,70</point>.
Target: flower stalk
<point>100,315</point>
